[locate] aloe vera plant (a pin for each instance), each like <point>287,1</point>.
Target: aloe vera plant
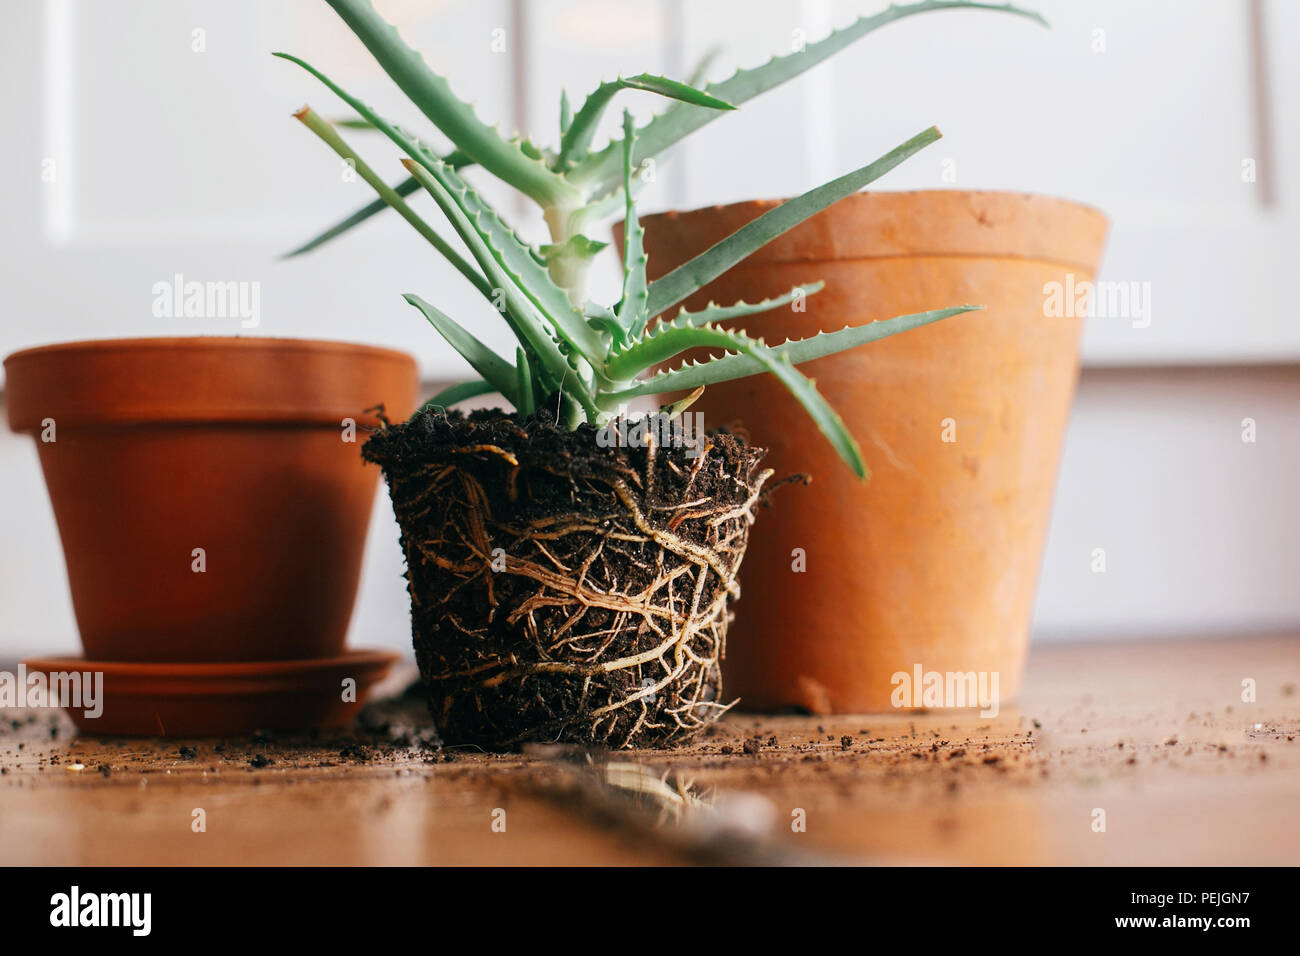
<point>593,359</point>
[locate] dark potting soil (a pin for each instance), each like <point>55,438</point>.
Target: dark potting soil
<point>561,590</point>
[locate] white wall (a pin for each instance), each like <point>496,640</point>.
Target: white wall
<point>172,159</point>
<point>1198,527</point>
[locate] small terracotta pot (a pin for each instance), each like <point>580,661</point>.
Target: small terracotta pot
<point>934,560</point>
<point>162,447</point>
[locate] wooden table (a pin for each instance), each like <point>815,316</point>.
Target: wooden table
<point>1155,734</point>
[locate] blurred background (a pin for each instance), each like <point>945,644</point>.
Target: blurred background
<point>146,139</point>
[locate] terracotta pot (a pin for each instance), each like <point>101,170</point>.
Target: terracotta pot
<point>233,446</point>
<point>933,561</point>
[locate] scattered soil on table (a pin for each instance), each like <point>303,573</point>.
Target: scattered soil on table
<point>902,776</point>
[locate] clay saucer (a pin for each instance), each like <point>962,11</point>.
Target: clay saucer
<point>223,699</point>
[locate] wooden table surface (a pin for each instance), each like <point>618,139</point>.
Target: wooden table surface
<point>1155,735</point>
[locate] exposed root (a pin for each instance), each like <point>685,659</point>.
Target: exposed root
<point>564,591</point>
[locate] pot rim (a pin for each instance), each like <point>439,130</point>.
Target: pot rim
<point>207,342</point>
<point>1026,196</point>
<point>892,224</point>
<point>207,380</point>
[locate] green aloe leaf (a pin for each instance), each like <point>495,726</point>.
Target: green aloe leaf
<point>599,171</point>
<point>712,314</point>
<point>749,238</point>
<point>577,137</point>
<point>631,312</point>
<point>520,312</point>
<point>827,419</point>
<point>679,406</point>
<point>602,319</point>
<point>726,368</point>
<point>576,249</point>
<point>493,368</point>
<point>665,341</point>
<point>521,264</point>
<point>351,122</point>
<point>669,340</point>
<point>566,113</point>
<point>524,402</point>
<point>575,245</point>
<point>433,96</point>
<point>460,392</point>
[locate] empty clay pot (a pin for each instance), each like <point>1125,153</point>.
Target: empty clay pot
<point>934,560</point>
<point>209,493</point>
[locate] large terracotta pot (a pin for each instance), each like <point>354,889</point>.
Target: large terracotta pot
<point>235,446</point>
<point>933,561</point>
